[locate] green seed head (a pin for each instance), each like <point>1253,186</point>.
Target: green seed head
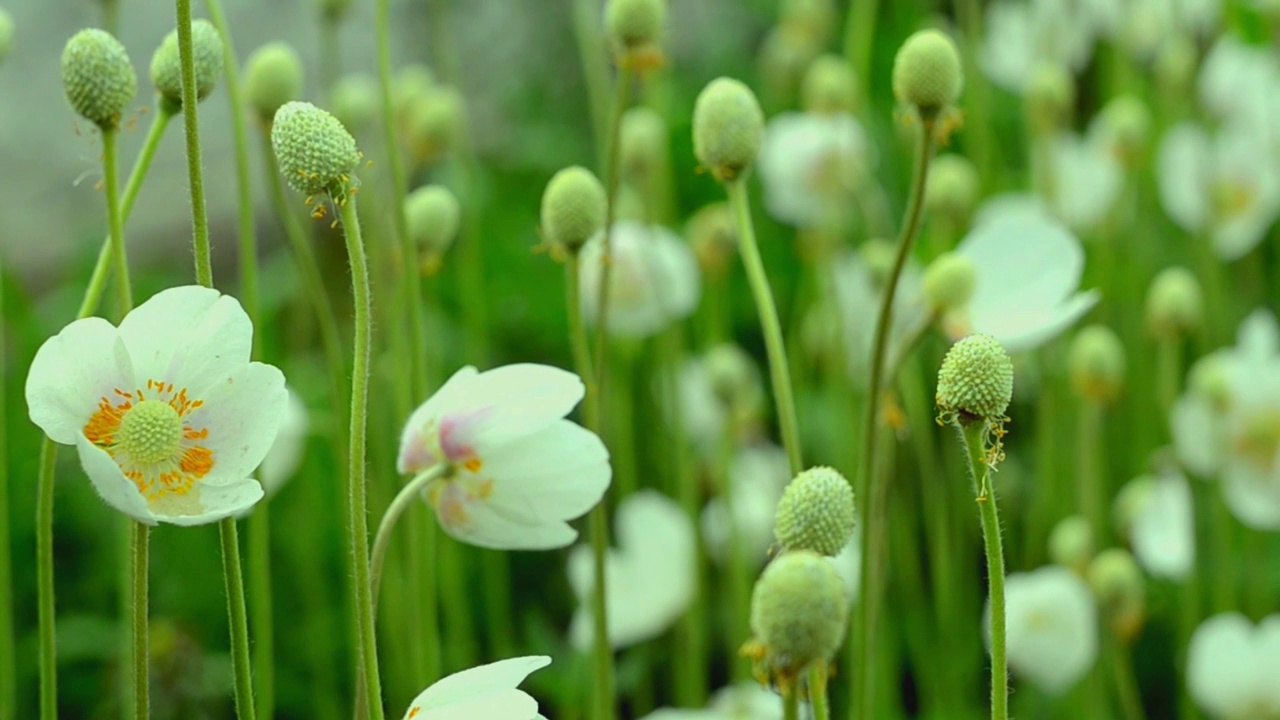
<point>816,512</point>
<point>272,77</point>
<point>634,24</point>
<point>434,122</point>
<point>878,254</point>
<point>976,379</point>
<point>573,208</point>
<point>1126,123</point>
<point>728,128</point>
<point>316,154</point>
<point>433,214</point>
<point>1096,362</point>
<point>1071,542</point>
<point>733,376</point>
<point>813,19</point>
<point>1050,96</point>
<point>713,235</point>
<point>150,432</point>
<point>1175,304</point>
<point>949,281</point>
<point>952,190</point>
<point>799,612</point>
<point>642,143</point>
<point>206,56</point>
<point>1118,582</point>
<point>355,102</point>
<point>412,82</point>
<point>6,33</point>
<point>1210,378</point>
<point>829,86</point>
<point>927,74</point>
<point>98,78</point>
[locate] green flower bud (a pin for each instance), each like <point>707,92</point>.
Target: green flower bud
<point>733,376</point>
<point>98,77</point>
<point>1175,305</point>
<point>799,613</point>
<point>713,235</point>
<point>1176,64</point>
<point>316,154</point>
<point>1096,363</point>
<point>952,190</point>
<point>272,77</point>
<point>878,254</point>
<point>634,24</point>
<point>1209,378</point>
<point>1121,589</point>
<point>728,128</point>
<point>949,281</point>
<point>927,74</point>
<point>206,57</point>
<point>830,86</point>
<point>355,102</point>
<point>6,33</point>
<point>1050,96</point>
<point>573,208</point>
<point>1071,542</point>
<point>814,19</point>
<point>434,123</point>
<point>412,82</point>
<point>1125,122</point>
<point>816,512</point>
<point>642,143</point>
<point>1130,500</point>
<point>976,379</point>
<point>785,56</point>
<point>334,9</point>
<point>432,215</point>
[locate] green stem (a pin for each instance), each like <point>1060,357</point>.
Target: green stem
<point>330,52</point>
<point>1127,691</point>
<point>139,543</point>
<point>411,491</point>
<point>260,603</point>
<point>111,16</point>
<point>114,222</point>
<point>613,176</point>
<point>1089,479</point>
<point>790,705</point>
<point>779,374</point>
<point>497,586</point>
<point>869,484</point>
<point>357,512</point>
<point>738,571</point>
<point>973,437</point>
<point>591,53</point>
<point>44,581</point>
<point>859,33</point>
<point>233,579</point>
<point>8,688</point>
<point>818,692</point>
<point>191,124</point>
<point>1168,373</point>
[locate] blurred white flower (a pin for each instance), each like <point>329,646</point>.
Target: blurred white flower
<point>744,701</point>
<point>167,414</point>
<point>285,455</point>
<point>1052,627</point>
<point>810,165</point>
<point>1236,79</point>
<point>849,564</point>
<point>700,410</point>
<point>654,279</point>
<point>650,576</point>
<point>1163,526</point>
<point>858,299</point>
<point>518,469</point>
<point>488,691</point>
<point>1023,35</point>
<point>1088,179</point>
<point>1224,187</point>
<point>1231,667</point>
<point>759,474</point>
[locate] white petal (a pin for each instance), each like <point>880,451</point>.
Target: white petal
<point>108,479</point>
<point>242,412</point>
<point>1052,636</point>
<point>1197,434</point>
<point>479,681</point>
<point>1024,330</point>
<point>1252,494</point>
<point>486,526</point>
<point>501,705</point>
<point>635,308</point>
<point>1221,666</point>
<point>1089,181</point>
<point>188,336</point>
<point>1182,167</point>
<point>1023,264</point>
<point>218,502</point>
<point>678,282</point>
<point>285,455</point>
<point>1163,531</point>
<point>558,473</point>
<point>71,372</point>
<point>416,451</point>
<point>518,400</point>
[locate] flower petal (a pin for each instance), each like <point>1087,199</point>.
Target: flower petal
<point>1163,531</point>
<point>219,502</point>
<point>479,681</point>
<point>1197,434</point>
<point>285,455</point>
<point>113,487</point>
<point>1052,636</point>
<point>1220,664</point>
<point>1252,494</point>
<point>1024,330</point>
<point>558,473</point>
<point>71,372</point>
<point>242,411</point>
<point>189,336</point>
<point>1182,167</point>
<point>483,525</point>
<point>1023,263</point>
<point>507,704</point>
<point>416,450</point>
<point>528,398</point>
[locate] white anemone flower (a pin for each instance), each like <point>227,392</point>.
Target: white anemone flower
<point>1051,627</point>
<point>167,414</point>
<point>517,469</point>
<point>489,691</point>
<point>759,475</point>
<point>1231,667</point>
<point>744,701</point>
<point>654,279</point>
<point>1162,527</point>
<point>701,412</point>
<point>1024,35</point>
<point>1088,179</point>
<point>1224,187</point>
<point>285,455</point>
<point>650,577</point>
<point>810,164</point>
<point>1028,270</point>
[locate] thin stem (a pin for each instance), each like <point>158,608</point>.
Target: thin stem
<point>973,437</point>
<point>1091,493</point>
<point>111,16</point>
<point>613,177</point>
<point>114,223</point>
<point>139,543</point>
<point>357,512</point>
<point>779,374</point>
<point>7,680</point>
<point>818,692</point>
<point>260,603</point>
<point>44,581</point>
<point>1127,691</point>
<point>870,484</point>
<point>859,33</point>
<point>790,705</point>
<point>191,124</point>
<point>411,491</point>
<point>591,53</point>
<point>233,579</point>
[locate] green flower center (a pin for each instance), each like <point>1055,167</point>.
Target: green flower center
<point>151,432</point>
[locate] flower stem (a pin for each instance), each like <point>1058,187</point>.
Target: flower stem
<point>790,705</point>
<point>357,512</point>
<point>1091,493</point>
<point>591,52</point>
<point>613,177</point>
<point>120,262</point>
<point>1126,684</point>
<point>233,579</point>
<point>191,124</point>
<point>859,34</point>
<point>140,546</point>
<point>44,580</point>
<point>972,436</point>
<point>7,680</point>
<point>870,485</point>
<point>818,692</point>
<point>411,491</point>
<point>779,374</point>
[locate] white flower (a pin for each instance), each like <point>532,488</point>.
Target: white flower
<point>1028,268</point>
<point>488,691</point>
<point>518,469</point>
<point>653,280</point>
<point>759,475</point>
<point>285,455</point>
<point>1235,78</point>
<point>1222,186</point>
<point>701,412</point>
<point>744,701</point>
<point>858,299</point>
<point>1162,527</point>
<point>1051,627</point>
<point>1023,35</point>
<point>1231,667</point>
<point>168,415</point>
<point>650,577</point>
<point>849,565</point>
<point>810,165</point>
<point>1087,180</point>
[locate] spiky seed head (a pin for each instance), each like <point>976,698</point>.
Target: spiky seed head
<point>1126,123</point>
<point>642,143</point>
<point>315,153</point>
<point>434,123</point>
<point>432,214</point>
<point>98,77</point>
<point>1050,96</point>
<point>728,128</point>
<point>573,208</point>
<point>927,74</point>
<point>713,234</point>
<point>799,612</point>
<point>634,24</point>
<point>206,58</point>
<point>976,379</point>
<point>272,77</point>
<point>1096,362</point>
<point>816,512</point>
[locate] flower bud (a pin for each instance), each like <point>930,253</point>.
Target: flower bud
<point>316,154</point>
<point>1210,378</point>
<point>334,9</point>
<point>830,86</point>
<point>355,102</point>
<point>814,19</point>
<point>1130,500</point>
<point>927,74</point>
<point>412,82</point>
<point>1176,64</point>
<point>206,58</point>
<point>432,215</point>
<point>634,24</point>
<point>733,376</point>
<point>728,128</point>
<point>952,190</point>
<point>98,77</point>
<point>799,613</point>
<point>976,379</point>
<point>573,208</point>
<point>434,123</point>
<point>878,254</point>
<point>6,33</point>
<point>713,235</point>
<point>1096,364</point>
<point>1050,96</point>
<point>783,59</point>
<point>1175,305</point>
<point>1071,542</point>
<point>1125,122</point>
<point>272,77</point>
<point>1117,581</point>
<point>642,143</point>
<point>816,512</point>
<point>949,281</point>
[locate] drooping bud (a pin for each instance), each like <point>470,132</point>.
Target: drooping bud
<point>728,128</point>
<point>315,153</point>
<point>355,102</point>
<point>1175,304</point>
<point>713,235</point>
<point>573,208</point>
<point>949,282</point>
<point>1071,542</point>
<point>98,77</point>
<point>1117,581</point>
<point>206,57</point>
<point>634,25</point>
<point>830,86</point>
<point>799,613</point>
<point>432,216</point>
<point>272,77</point>
<point>1097,364</point>
<point>816,512</point>
<point>952,190</point>
<point>976,380</point>
<point>927,74</point>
